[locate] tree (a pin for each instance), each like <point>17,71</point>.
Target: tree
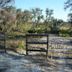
<point>70,18</point>
<point>55,25</point>
<point>49,14</point>
<point>68,4</point>
<point>36,15</point>
<point>4,3</point>
<point>6,11</point>
<point>18,16</point>
<point>5,17</point>
<point>27,16</point>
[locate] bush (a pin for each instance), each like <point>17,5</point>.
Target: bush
<point>64,33</point>
<point>21,44</point>
<point>70,33</point>
<point>40,29</point>
<point>31,31</point>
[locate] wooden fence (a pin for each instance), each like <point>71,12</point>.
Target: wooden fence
<point>30,40</point>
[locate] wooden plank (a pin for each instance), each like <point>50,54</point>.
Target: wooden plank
<point>36,42</point>
<point>37,50</point>
<point>26,46</point>
<point>37,47</point>
<point>36,34</point>
<point>61,52</point>
<point>47,47</point>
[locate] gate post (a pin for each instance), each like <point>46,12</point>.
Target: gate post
<point>26,45</point>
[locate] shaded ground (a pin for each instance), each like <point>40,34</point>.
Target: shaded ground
<point>13,62</point>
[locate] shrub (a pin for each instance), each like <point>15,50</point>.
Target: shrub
<point>21,44</point>
<point>70,33</point>
<point>64,33</point>
<point>31,31</point>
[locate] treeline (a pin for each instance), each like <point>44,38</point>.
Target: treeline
<point>32,21</point>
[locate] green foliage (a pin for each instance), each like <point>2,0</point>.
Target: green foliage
<point>70,32</point>
<point>40,28</point>
<point>64,33</point>
<point>49,13</point>
<point>24,27</point>
<point>36,15</point>
<point>32,30</point>
<point>68,4</point>
<point>21,44</point>
<point>65,30</point>
<point>4,3</point>
<point>17,22</point>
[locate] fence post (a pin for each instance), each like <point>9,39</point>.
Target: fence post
<point>47,47</point>
<point>5,42</point>
<point>26,45</point>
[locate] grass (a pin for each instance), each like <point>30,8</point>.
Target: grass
<point>15,44</point>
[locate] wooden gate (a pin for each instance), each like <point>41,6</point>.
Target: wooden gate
<point>37,40</point>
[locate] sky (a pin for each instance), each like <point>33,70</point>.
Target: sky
<point>56,5</point>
